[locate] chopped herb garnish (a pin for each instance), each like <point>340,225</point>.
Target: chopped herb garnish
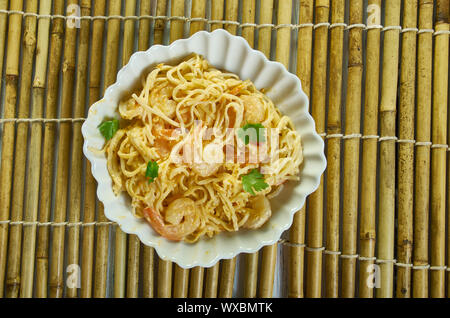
<point>109,128</point>
<point>254,181</point>
<point>152,171</point>
<point>251,132</point>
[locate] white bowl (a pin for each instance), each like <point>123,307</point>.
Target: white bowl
<point>230,53</point>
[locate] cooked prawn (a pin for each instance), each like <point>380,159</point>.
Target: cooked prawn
<point>164,140</point>
<point>180,216</point>
<point>254,111</point>
<point>260,207</point>
<point>161,98</point>
<point>212,158</point>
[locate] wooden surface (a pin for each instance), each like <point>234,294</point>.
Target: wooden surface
<point>376,227</point>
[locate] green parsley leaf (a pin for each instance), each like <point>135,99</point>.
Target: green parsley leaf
<point>109,128</point>
<point>254,133</point>
<point>152,171</point>
<point>254,181</point>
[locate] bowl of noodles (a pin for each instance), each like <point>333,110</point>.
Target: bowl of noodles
<point>204,149</point>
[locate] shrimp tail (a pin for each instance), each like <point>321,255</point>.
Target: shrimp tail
<point>156,221</point>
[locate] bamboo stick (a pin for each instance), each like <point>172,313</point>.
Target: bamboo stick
<point>144,25</point>
<point>180,288</point>
<point>132,279</point>
<point>181,282</point>
<point>128,33</point>
<point>73,238</point>
<point>367,235</point>
<point>422,160</point>
<point>46,183</point>
<point>217,13</point>
<point>111,61</point>
<point>148,281</point>
<point>284,16</point>
<point>196,284</point>
<point>56,277</point>
<point>3,20</point>
<point>297,232</point>
<point>305,44</point>
<point>159,25</point>
<point>34,157</point>
<point>406,150</point>
<point>231,14</point>
<point>248,16</point>
<point>87,256</point>
<point>251,274</point>
<point>164,279</point>
<point>438,154</point>
<point>334,150</point>
<point>11,80</point>
<point>315,200</point>
<point>264,34</point>
<point>351,150</point>
<point>101,255</point>
<point>15,235</point>
<point>448,188</point>
<point>133,266</point>
<point>148,253</point>
<point>267,276</point>
<point>228,268</point>
<point>177,26</point>
<point>388,109</point>
<point>282,52</point>
<point>197,273</point>
<point>198,11</point>
<point>120,256</point>
<point>211,281</point>
<point>251,260</point>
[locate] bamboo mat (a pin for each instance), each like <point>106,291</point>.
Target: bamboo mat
<point>377,76</point>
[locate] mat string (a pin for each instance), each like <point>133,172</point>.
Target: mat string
<point>281,241</point>
<point>236,23</point>
<point>41,120</point>
<point>363,258</point>
<point>56,224</point>
<point>385,138</point>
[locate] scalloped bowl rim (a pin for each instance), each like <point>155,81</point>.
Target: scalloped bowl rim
<point>159,245</point>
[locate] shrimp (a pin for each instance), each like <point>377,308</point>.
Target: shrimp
<point>163,147</point>
<point>262,212</point>
<point>206,160</point>
<point>181,217</point>
<point>212,159</point>
<point>254,111</point>
<point>161,97</point>
<point>164,140</point>
<point>205,169</point>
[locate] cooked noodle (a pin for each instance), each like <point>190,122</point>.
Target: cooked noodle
<point>186,119</point>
